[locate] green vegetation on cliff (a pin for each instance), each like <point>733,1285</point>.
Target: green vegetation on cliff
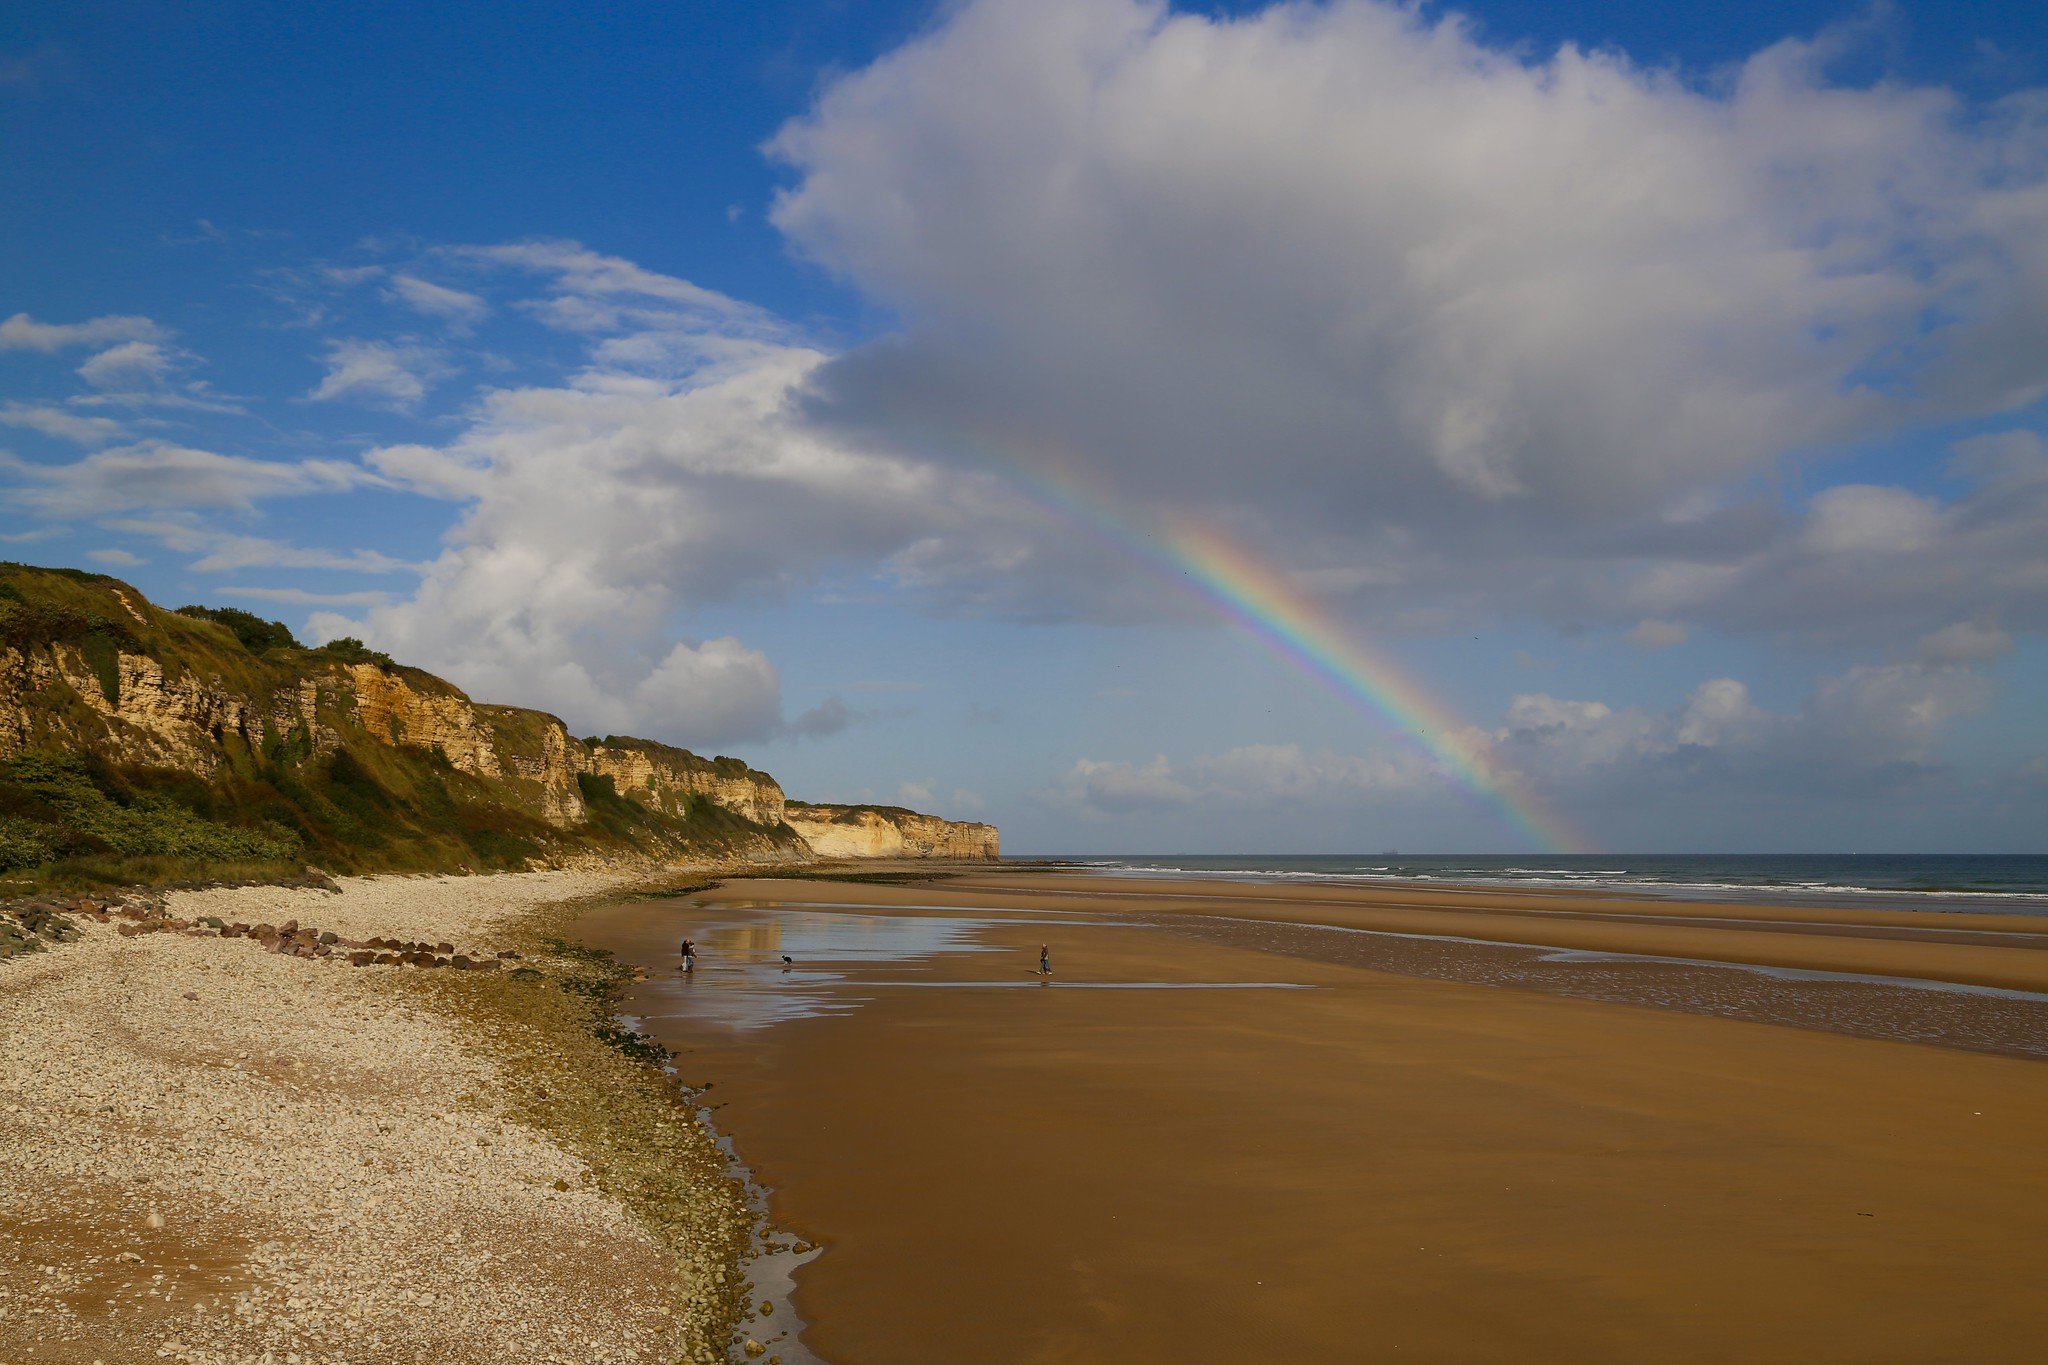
<point>144,745</point>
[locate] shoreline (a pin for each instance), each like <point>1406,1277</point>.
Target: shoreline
<point>222,1151</point>
<point>1924,900</point>
<point>1011,1174</point>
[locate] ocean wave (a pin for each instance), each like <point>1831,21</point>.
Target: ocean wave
<point>1661,882</point>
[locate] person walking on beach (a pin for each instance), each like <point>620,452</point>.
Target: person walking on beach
<point>1044,959</point>
<point>689,956</point>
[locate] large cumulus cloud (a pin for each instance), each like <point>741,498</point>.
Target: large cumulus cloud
<point>1448,322</point>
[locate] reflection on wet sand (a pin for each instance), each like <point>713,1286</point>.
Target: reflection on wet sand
<point>763,964</point>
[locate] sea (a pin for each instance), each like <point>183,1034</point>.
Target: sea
<point>1980,883</point>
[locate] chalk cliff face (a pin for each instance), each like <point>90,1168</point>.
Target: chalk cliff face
<point>87,667</point>
<point>888,832</point>
<point>666,777</point>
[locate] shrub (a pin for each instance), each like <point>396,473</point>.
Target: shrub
<point>62,806</point>
<point>350,650</point>
<point>257,635</point>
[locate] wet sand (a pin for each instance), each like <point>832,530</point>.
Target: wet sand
<point>1434,1145</point>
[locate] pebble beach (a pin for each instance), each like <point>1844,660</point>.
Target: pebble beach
<point>228,1141</point>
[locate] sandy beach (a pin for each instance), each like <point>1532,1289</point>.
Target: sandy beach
<point>222,1153</point>
<point>1319,1123</point>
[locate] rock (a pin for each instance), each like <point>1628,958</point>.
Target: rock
<point>155,1221</point>
<point>330,937</point>
<point>753,1347</point>
<point>361,959</point>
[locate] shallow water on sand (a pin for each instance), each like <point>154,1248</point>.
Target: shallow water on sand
<point>768,963</point>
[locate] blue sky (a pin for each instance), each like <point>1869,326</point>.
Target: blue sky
<point>1664,386</point>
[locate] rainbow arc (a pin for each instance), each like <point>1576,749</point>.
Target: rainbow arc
<point>1260,598</point>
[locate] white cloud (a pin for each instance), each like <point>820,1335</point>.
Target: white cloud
<point>381,373</point>
<point>160,474</point>
<point>301,597</point>
<point>23,333</point>
<point>718,690</point>
<point>452,306</point>
<point>1115,787</point>
<point>1249,775</point>
<point>130,365</point>
<point>1452,331</point>
<point>1860,729</point>
<point>1861,733</point>
<point>63,423</point>
<point>225,552</point>
<point>590,284</point>
<point>1860,519</point>
<point>1870,565</point>
<point>1964,642</point>
<point>119,558</point>
<point>599,512</point>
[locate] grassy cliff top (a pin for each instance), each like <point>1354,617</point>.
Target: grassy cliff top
<point>655,750</point>
<point>102,615</point>
<point>267,776</point>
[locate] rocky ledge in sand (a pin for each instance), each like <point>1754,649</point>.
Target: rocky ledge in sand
<point>253,1124</point>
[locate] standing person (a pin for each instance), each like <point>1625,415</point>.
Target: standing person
<point>1044,959</point>
<point>689,955</point>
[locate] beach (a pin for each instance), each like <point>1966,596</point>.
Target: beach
<point>1250,1121</point>
<point>241,1147</point>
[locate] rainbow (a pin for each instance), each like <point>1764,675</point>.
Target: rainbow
<point>1259,597</point>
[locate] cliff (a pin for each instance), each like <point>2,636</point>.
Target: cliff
<point>152,742</point>
<point>888,832</point>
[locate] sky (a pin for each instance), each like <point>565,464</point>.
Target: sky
<point>1300,428</point>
